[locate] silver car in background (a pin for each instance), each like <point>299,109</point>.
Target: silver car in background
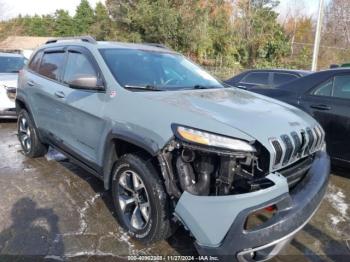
<point>10,65</point>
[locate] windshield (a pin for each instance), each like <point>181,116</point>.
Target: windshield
<point>11,64</point>
<point>156,71</point>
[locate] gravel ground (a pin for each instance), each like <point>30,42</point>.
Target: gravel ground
<point>54,210</point>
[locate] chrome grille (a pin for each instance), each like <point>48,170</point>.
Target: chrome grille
<point>297,144</point>
<point>319,136</point>
<point>289,148</point>
<point>311,139</point>
<point>278,151</point>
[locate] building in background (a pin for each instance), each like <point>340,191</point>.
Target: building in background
<point>22,44</point>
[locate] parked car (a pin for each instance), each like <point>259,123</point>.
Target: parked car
<point>10,64</point>
<point>174,146</point>
<point>326,96</point>
<point>333,66</point>
<point>265,78</point>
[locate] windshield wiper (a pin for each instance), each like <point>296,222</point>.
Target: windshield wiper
<point>199,87</point>
<point>146,87</point>
<point>204,87</point>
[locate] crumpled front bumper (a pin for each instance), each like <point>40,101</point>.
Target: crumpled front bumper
<point>217,223</point>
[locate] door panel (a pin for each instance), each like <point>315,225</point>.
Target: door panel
<point>82,107</point>
<point>333,113</point>
<point>47,105</point>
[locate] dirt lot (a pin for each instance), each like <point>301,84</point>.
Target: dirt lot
<point>56,211</point>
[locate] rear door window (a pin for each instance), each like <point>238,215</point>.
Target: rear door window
<point>260,78</point>
<point>52,64</point>
<point>283,78</point>
<point>342,87</point>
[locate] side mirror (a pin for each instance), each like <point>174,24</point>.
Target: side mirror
<point>86,82</point>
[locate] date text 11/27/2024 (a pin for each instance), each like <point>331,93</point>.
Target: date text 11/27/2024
<point>173,258</point>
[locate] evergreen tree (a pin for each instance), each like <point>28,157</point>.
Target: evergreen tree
<point>102,27</point>
<point>84,18</point>
<point>63,23</point>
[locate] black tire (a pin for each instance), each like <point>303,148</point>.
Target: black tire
<point>158,227</point>
<point>28,136</point>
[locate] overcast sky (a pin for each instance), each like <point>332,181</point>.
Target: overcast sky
<point>306,7</point>
<point>14,7</point>
<point>31,7</point>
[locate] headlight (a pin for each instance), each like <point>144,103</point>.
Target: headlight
<point>209,139</point>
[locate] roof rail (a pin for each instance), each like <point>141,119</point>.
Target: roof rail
<point>88,39</point>
<point>157,45</point>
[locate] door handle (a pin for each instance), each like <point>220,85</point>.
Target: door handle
<point>31,83</point>
<point>60,94</point>
<point>321,107</point>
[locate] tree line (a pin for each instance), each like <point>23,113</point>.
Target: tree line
<point>236,34</point>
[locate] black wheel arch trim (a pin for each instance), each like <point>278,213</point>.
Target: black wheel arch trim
<point>109,151</point>
<point>27,107</point>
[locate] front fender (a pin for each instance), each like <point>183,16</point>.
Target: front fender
<point>139,139</point>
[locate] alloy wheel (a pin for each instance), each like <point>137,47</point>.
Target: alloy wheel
<point>133,200</point>
<point>24,134</point>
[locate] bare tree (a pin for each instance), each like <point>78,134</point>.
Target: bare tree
<point>337,23</point>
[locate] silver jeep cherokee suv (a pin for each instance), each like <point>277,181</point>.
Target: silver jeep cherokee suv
<point>176,146</point>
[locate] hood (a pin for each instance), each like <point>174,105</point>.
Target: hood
<point>9,79</point>
<point>257,116</point>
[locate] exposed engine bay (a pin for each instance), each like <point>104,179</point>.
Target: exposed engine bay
<point>206,171</point>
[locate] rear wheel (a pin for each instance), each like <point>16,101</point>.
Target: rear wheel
<point>28,136</point>
<point>140,200</point>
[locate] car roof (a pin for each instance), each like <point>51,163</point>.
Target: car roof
<point>112,45</point>
<point>301,72</point>
<point>240,76</point>
<point>338,69</point>
<point>10,54</point>
<point>312,80</point>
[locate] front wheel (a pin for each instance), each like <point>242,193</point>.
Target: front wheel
<point>139,199</point>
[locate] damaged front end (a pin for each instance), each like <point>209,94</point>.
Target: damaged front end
<point>193,165</point>
<point>217,184</point>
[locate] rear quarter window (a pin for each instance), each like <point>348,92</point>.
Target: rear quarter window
<point>324,89</point>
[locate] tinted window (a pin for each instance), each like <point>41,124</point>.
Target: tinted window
<point>77,66</point>
<point>342,87</point>
<point>11,64</point>
<point>35,62</point>
<point>256,78</point>
<point>279,78</point>
<point>51,65</point>
<point>325,89</point>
